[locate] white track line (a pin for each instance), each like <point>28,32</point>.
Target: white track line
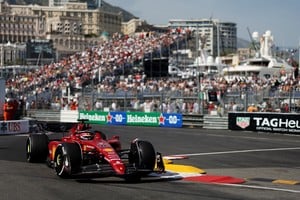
<point>237,151</point>
<point>261,187</point>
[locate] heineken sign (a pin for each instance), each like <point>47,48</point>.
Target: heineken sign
<point>142,119</point>
<point>93,117</point>
<point>133,118</point>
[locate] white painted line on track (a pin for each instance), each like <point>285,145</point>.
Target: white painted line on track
<point>261,187</point>
<point>175,157</point>
<point>27,134</point>
<point>238,151</point>
<point>22,135</point>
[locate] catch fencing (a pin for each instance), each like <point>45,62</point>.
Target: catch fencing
<point>180,102</point>
<point>194,108</point>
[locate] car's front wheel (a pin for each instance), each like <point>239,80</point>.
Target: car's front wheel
<point>67,159</point>
<point>142,155</point>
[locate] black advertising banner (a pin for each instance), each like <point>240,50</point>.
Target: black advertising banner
<point>266,122</point>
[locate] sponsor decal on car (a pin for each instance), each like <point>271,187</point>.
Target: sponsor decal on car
<point>108,149</point>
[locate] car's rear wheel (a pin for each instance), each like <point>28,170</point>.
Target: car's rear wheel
<point>67,159</point>
<point>143,157</point>
<point>37,147</point>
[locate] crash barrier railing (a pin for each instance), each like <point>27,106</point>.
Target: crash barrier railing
<point>53,115</point>
<point>215,122</point>
<point>188,120</point>
<point>192,120</point>
<point>45,115</point>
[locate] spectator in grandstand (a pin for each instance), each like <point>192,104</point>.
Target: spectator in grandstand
<point>147,106</point>
<point>135,104</point>
<point>268,107</point>
<point>169,108</point>
<point>196,107</point>
<point>86,105</point>
<point>220,110</point>
<point>98,105</point>
<point>73,104</point>
<point>156,105</point>
<point>114,106</point>
<point>252,108</point>
<point>27,106</point>
<point>190,106</point>
<point>184,107</point>
<point>285,108</point>
<point>211,107</point>
<point>233,106</point>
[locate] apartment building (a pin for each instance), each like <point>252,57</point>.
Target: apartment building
<point>220,38</point>
<point>130,27</point>
<point>71,26</point>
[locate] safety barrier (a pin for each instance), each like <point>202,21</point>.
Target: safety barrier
<point>45,115</point>
<point>215,122</point>
<point>192,120</point>
<point>189,120</point>
<point>14,127</point>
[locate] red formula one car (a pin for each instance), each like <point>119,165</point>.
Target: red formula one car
<point>88,153</point>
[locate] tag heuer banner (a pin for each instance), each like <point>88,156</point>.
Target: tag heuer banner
<point>266,122</point>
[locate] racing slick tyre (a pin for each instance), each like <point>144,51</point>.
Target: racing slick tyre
<point>67,159</point>
<point>142,155</point>
<point>37,147</point>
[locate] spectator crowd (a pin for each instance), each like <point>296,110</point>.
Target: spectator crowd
<point>112,67</point>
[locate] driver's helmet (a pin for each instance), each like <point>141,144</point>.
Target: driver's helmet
<point>86,136</point>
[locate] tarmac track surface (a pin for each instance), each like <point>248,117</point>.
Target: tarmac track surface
<point>269,164</point>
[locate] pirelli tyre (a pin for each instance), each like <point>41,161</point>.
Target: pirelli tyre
<point>37,147</point>
<point>67,159</point>
<point>142,155</point>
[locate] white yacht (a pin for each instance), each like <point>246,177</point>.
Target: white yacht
<point>203,64</point>
<point>264,65</point>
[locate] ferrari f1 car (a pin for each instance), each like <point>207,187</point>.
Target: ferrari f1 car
<point>88,153</point>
